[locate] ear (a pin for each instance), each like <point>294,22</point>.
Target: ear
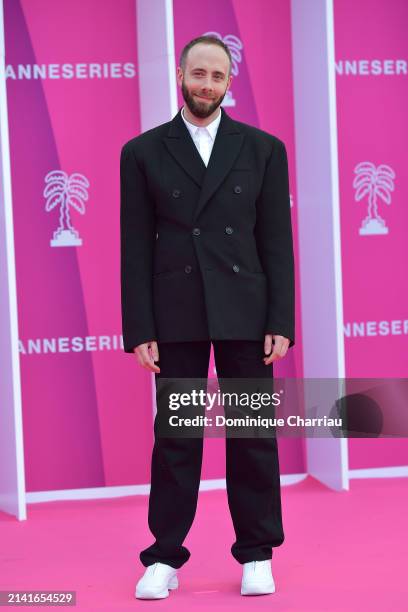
<point>229,81</point>
<point>179,75</point>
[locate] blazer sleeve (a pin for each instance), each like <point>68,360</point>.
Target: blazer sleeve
<point>273,232</point>
<point>137,234</point>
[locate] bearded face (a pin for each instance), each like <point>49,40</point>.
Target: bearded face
<point>199,103</point>
<point>205,79</point>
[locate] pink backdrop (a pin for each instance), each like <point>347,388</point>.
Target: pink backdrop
<point>371,41</point>
<point>86,423</point>
<point>262,90</point>
<point>87,413</point>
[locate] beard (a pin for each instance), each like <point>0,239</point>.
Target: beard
<point>197,108</point>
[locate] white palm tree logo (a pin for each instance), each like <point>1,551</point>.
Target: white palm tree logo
<point>235,46</point>
<point>65,191</point>
<point>374,183</point>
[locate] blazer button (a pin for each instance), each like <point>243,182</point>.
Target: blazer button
<point>176,193</point>
<point>228,230</point>
<point>188,269</point>
<point>235,268</point>
<point>196,231</point>
<point>237,189</point>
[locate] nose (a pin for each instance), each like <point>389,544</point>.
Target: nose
<point>206,87</point>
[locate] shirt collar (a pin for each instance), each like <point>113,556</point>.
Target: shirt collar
<point>211,127</point>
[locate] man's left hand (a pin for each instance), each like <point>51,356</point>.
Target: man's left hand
<point>280,347</point>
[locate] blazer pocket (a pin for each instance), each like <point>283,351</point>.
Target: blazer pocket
<point>169,274</point>
<point>165,273</point>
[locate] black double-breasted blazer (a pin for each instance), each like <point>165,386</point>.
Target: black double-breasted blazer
<point>206,252</point>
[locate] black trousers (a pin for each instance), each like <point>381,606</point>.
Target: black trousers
<point>252,464</point>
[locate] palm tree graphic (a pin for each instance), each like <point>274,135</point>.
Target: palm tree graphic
<point>65,191</point>
<point>375,183</point>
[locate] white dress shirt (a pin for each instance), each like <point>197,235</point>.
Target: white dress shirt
<point>203,137</point>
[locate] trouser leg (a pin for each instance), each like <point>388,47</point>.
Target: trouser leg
<point>252,464</point>
<point>176,464</point>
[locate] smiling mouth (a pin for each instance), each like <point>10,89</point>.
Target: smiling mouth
<point>203,98</point>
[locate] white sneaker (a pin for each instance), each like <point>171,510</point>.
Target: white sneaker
<point>257,578</point>
<point>156,582</point>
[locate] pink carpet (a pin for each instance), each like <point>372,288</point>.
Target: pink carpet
<point>343,551</point>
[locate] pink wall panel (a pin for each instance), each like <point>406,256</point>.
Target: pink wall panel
<point>372,93</point>
<point>86,405</point>
<point>72,87</point>
<point>259,32</point>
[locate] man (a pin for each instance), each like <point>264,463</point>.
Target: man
<point>207,257</point>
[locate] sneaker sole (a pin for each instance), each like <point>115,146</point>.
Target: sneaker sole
<point>161,595</point>
<point>258,590</point>
<point>173,584</point>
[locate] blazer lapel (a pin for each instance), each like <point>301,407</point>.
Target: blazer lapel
<point>226,147</point>
<point>182,148</point>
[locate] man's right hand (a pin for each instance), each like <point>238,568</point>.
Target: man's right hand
<point>147,353</point>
